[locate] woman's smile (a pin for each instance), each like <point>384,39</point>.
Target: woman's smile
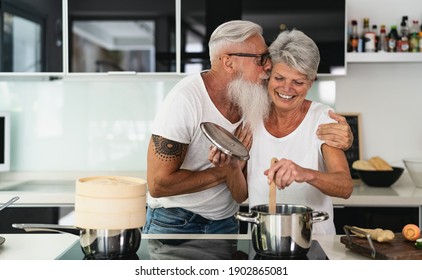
<point>284,96</point>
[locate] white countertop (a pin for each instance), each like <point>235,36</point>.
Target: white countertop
<point>47,188</point>
<point>401,193</point>
<point>35,246</point>
<point>33,193</point>
<point>50,246</point>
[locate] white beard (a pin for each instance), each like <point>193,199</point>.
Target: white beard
<point>252,99</point>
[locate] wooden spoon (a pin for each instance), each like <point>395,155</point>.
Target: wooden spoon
<point>272,205</point>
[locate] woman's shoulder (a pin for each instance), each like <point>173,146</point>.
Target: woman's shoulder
<point>320,107</point>
<point>319,112</point>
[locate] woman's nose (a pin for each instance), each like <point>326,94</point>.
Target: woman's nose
<point>285,85</point>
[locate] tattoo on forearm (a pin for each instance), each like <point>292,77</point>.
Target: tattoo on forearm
<point>166,149</point>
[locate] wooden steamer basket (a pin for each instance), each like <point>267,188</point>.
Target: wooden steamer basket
<point>109,212</point>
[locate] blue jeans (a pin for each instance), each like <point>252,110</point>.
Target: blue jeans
<point>179,220</point>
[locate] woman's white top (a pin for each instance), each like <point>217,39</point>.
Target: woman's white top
<point>303,147</point>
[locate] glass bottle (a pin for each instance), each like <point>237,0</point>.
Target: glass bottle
<point>382,42</point>
<point>414,37</point>
<point>354,37</point>
<point>392,39</point>
<point>368,37</point>
<point>403,42</point>
<point>375,31</point>
<point>404,28</point>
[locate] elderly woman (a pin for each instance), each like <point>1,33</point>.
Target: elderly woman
<point>308,171</point>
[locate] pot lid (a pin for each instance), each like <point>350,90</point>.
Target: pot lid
<point>225,141</point>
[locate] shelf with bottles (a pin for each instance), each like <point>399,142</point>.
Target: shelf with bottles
<point>401,44</point>
<point>384,57</point>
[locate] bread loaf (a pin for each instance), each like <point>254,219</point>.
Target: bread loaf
<point>375,163</point>
<point>363,165</point>
<point>380,164</point>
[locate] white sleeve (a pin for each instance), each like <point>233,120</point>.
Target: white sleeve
<point>324,118</point>
<point>175,119</point>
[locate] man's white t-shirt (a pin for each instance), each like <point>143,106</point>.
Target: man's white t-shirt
<point>303,147</point>
<point>184,109</point>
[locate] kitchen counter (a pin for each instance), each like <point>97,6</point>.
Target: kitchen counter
<point>50,189</point>
<point>29,246</point>
<point>35,246</point>
<point>401,193</point>
<point>57,189</point>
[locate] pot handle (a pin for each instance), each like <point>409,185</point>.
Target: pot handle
<point>246,217</point>
<point>319,216</point>
<point>48,227</point>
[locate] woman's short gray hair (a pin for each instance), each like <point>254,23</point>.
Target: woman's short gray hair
<point>298,51</point>
<point>231,32</point>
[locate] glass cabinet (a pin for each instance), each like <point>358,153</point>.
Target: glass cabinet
<point>142,36</point>
<point>31,36</point>
<point>125,35</point>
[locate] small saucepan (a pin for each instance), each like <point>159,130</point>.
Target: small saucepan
<point>287,233</point>
<point>8,203</point>
<point>96,243</point>
<point>3,206</point>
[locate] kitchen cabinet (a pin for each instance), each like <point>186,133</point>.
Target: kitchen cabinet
<point>52,38</point>
<point>31,36</point>
<point>40,201</point>
<point>392,218</point>
<point>86,37</point>
<point>125,36</point>
<point>42,215</point>
<point>322,21</point>
<point>385,207</point>
<point>130,37</point>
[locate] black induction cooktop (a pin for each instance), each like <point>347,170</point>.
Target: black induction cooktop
<point>197,249</point>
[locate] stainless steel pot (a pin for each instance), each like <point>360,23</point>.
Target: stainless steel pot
<point>287,233</point>
<point>96,243</point>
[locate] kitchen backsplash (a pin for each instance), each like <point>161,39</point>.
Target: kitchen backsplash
<point>69,125</point>
<point>89,125</point>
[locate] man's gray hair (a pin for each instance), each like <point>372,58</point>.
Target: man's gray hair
<point>298,51</point>
<point>231,32</point>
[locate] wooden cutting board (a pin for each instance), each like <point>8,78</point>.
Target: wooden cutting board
<point>397,249</point>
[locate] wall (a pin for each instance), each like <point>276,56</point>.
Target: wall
<point>388,95</point>
<point>94,125</point>
<point>389,98</point>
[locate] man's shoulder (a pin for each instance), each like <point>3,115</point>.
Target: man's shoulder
<point>189,79</point>
<point>189,88</point>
